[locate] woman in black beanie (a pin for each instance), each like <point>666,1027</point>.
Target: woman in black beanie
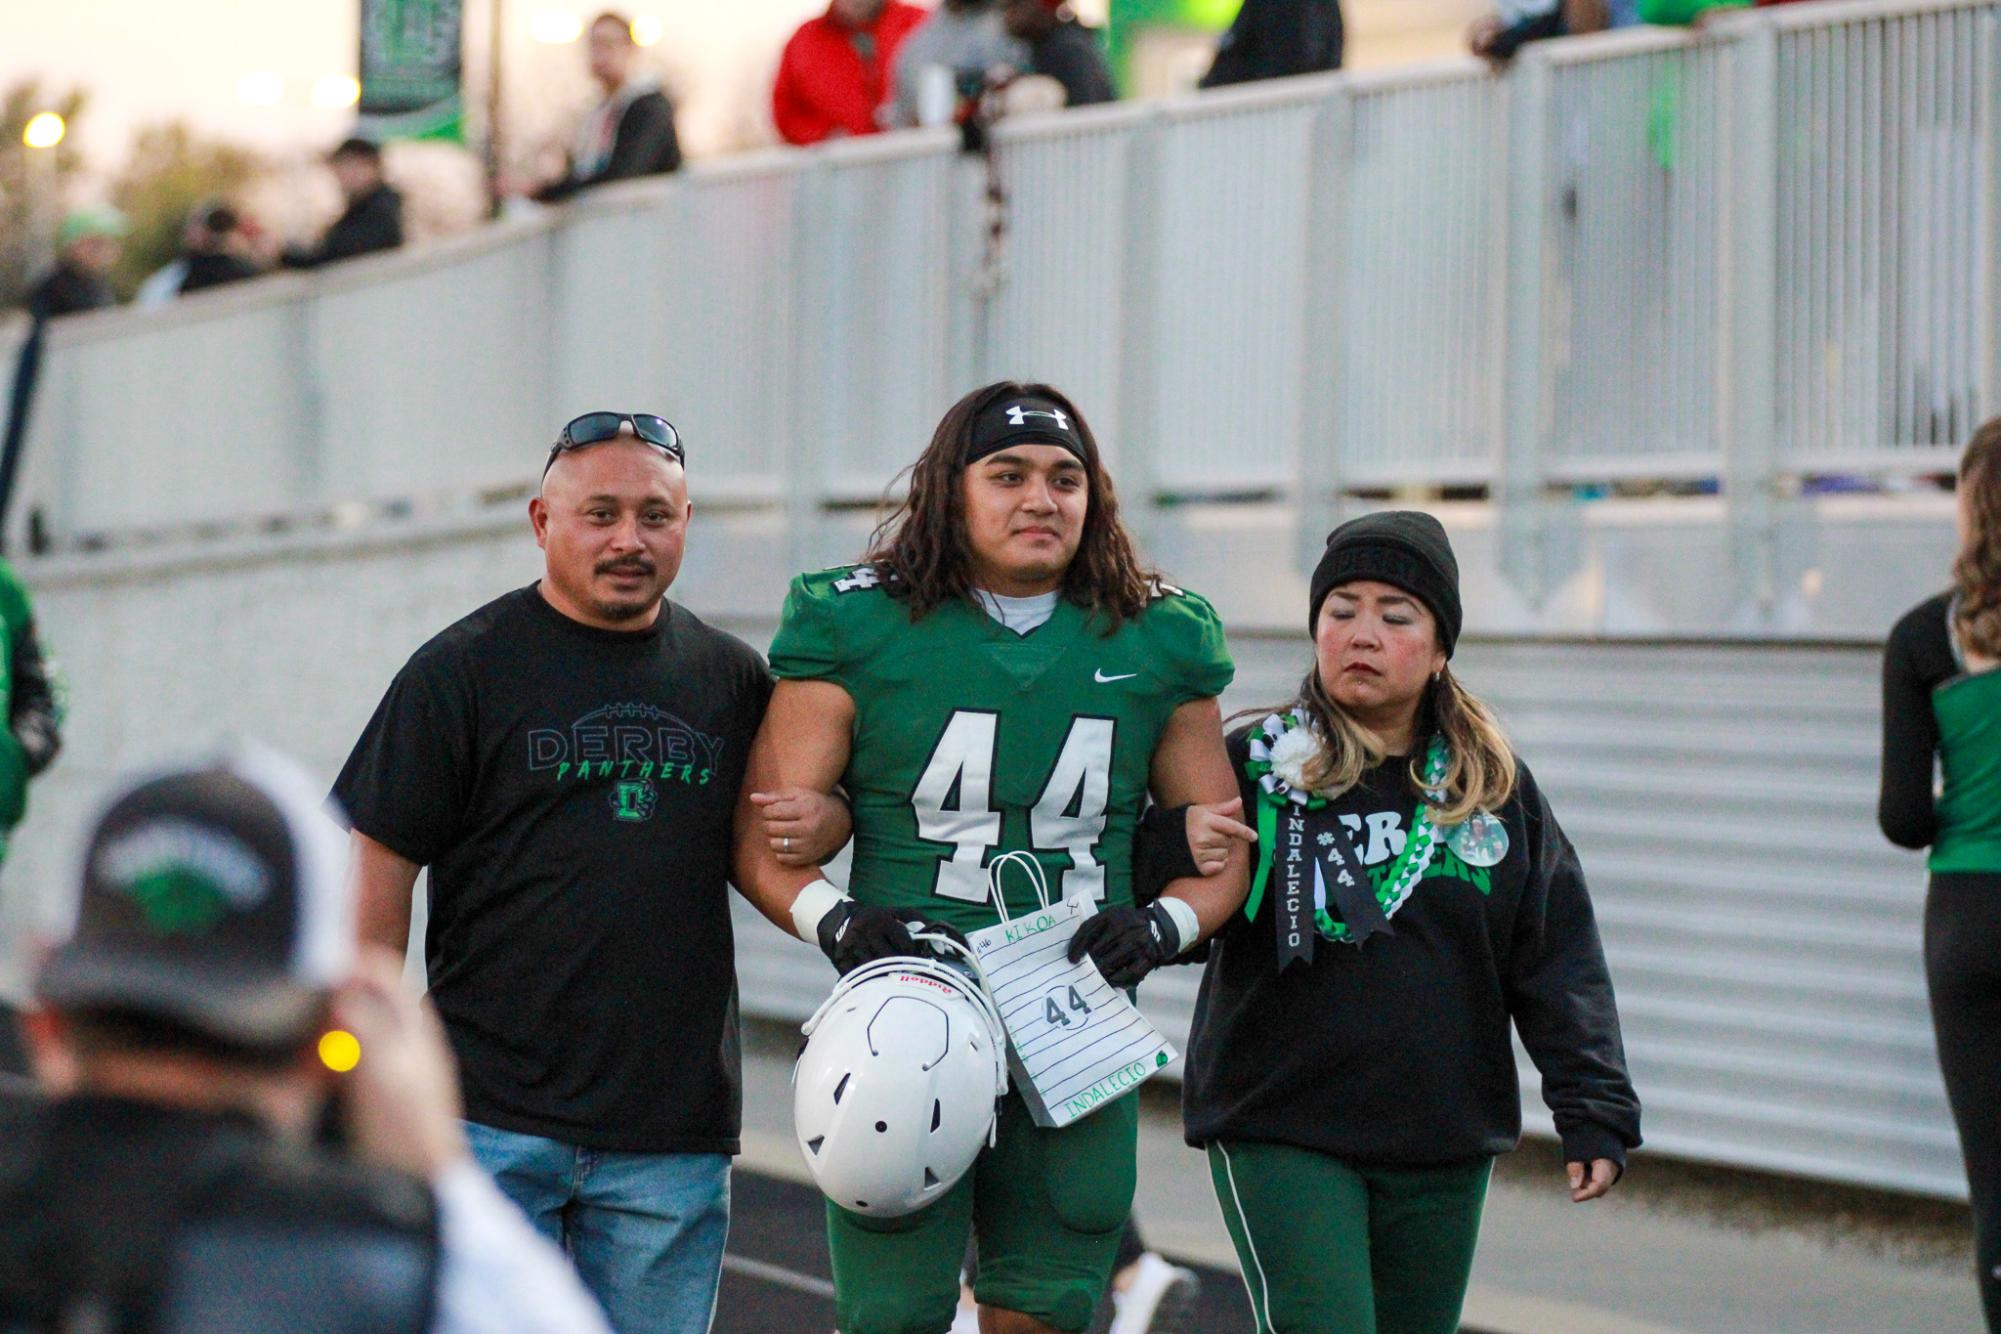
<point>1350,1072</point>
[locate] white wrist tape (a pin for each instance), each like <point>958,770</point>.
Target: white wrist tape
<point>1187,927</point>
<point>815,902</point>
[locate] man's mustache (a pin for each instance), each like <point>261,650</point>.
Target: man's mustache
<point>626,567</point>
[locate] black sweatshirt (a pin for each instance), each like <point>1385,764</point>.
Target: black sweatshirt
<point>1917,660</point>
<point>1397,1052</point>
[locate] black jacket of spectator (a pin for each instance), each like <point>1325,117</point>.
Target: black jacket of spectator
<point>68,290</point>
<point>214,269</point>
<point>1070,55</point>
<point>1272,39</point>
<point>144,1217</point>
<point>373,222</point>
<point>645,145</point>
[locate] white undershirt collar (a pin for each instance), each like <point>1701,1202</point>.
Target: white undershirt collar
<point>1020,615</point>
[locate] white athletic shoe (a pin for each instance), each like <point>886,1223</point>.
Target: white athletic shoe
<point>1160,1295</point>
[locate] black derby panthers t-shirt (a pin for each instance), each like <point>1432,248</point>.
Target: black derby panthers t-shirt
<point>571,790</point>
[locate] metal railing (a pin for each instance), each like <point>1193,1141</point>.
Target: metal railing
<point>1752,255</point>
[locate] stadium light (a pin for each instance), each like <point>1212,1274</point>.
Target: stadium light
<point>555,27</point>
<point>336,91</point>
<point>45,130</point>
<point>648,29</point>
<point>264,88</point>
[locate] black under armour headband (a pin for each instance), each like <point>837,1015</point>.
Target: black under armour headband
<point>1027,420</point>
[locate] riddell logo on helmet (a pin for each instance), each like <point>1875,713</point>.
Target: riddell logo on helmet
<point>930,982</point>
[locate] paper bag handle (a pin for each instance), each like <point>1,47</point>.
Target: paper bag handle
<point>1036,878</point>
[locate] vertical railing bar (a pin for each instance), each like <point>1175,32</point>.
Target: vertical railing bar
<point>1322,436</point>
<point>1749,466</point>
<point>1137,387</point>
<point>1519,499</point>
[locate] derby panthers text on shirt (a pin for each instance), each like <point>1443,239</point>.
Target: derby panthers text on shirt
<point>634,747</point>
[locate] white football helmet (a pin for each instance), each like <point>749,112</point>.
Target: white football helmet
<point>894,1094</point>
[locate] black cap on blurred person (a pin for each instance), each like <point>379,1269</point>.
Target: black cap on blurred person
<point>214,897</point>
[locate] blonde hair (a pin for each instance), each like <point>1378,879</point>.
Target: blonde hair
<point>1976,574</point>
<point>1480,775</point>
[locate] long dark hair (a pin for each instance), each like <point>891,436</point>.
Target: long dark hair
<point>1976,574</point>
<point>921,550</point>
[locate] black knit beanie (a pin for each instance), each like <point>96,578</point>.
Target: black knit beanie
<point>1405,548</point>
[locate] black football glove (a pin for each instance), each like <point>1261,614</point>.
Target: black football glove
<point>1126,943</point>
<point>858,933</point>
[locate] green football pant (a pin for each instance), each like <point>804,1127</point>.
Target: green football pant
<point>1046,1208</point>
<point>1331,1248</point>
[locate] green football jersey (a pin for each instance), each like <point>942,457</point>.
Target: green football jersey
<point>971,740</point>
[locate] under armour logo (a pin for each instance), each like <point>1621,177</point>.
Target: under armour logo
<point>1018,416</point>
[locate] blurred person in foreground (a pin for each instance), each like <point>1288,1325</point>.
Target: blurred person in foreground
<point>215,251</point>
<point>959,43</point>
<point>566,761</point>
<point>1274,39</point>
<point>837,70</point>
<point>28,744</point>
<point>1941,700</point>
<point>164,1178</point>
<point>373,218</point>
<point>1061,48</point>
<point>87,249</point>
<point>630,133</point>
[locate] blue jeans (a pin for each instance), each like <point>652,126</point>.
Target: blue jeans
<point>645,1230</point>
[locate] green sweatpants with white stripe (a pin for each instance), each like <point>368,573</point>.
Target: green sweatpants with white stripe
<point>1330,1247</point>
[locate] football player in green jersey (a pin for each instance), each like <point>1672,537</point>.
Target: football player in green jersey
<point>1000,674</point>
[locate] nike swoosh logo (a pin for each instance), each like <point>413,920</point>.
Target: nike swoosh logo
<point>1104,680</point>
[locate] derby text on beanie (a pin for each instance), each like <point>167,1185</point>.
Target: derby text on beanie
<point>1404,548</point>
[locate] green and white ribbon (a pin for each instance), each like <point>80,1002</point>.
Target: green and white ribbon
<point>1274,765</point>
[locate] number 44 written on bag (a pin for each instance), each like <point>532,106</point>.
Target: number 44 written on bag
<point>1074,1043</point>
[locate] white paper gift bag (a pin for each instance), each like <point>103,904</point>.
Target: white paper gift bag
<point>1074,1042</point>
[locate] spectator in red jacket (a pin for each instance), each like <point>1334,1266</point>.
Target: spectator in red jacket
<point>836,69</point>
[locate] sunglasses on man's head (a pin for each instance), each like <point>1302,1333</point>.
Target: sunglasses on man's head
<point>594,428</point>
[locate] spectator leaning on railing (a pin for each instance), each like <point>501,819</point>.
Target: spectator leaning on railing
<point>1271,39</point>
<point>1516,23</point>
<point>628,134</point>
<point>1061,48</point>
<point>962,40</point>
<point>87,246</point>
<point>836,70</point>
<point>373,219</point>
<point>214,252</point>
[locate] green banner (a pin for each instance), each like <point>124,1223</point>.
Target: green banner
<point>410,69</point>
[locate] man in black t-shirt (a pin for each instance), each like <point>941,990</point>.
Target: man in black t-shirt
<point>566,760</point>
